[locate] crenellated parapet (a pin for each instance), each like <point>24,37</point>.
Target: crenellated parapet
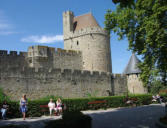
<point>32,71</point>
<point>41,82</point>
<point>86,31</point>
<point>68,13</point>
<point>12,53</point>
<point>118,76</point>
<point>63,51</point>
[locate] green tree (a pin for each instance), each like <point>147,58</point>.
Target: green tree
<point>144,24</point>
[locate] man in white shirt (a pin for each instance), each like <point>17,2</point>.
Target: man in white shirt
<point>51,106</point>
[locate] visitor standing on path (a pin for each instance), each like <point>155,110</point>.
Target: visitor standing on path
<point>23,106</point>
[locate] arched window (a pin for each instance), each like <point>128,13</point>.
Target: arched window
<point>77,43</point>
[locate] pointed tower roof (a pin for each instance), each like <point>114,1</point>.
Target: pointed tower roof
<point>85,21</point>
<point>132,68</point>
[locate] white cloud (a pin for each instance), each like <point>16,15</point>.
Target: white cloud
<point>5,27</point>
<point>43,39</point>
<point>7,32</point>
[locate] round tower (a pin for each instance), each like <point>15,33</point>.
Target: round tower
<point>89,38</point>
<point>135,85</point>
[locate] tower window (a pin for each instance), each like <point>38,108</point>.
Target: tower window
<point>77,43</point>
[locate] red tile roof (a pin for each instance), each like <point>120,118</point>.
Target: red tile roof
<point>84,21</point>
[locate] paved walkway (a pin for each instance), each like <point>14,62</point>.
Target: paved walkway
<point>136,117</point>
<point>34,122</point>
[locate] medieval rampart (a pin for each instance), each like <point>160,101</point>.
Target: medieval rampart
<point>42,82</point>
<point>119,84</point>
<point>12,59</point>
<point>67,59</point>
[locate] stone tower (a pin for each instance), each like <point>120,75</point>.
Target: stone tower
<point>82,33</point>
<point>40,56</point>
<point>135,85</point>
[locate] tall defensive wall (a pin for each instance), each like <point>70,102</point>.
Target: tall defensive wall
<point>83,68</point>
<point>40,82</point>
<point>66,79</point>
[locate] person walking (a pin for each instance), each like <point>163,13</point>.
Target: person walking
<point>23,106</point>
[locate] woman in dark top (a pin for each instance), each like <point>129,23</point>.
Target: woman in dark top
<point>4,109</point>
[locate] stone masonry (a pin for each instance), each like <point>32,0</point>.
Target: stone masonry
<point>81,69</point>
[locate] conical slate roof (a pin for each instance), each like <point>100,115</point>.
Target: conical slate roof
<point>132,68</point>
<point>85,21</point>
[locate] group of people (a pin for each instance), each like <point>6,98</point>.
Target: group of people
<point>57,108</point>
<point>24,108</point>
<point>157,98</point>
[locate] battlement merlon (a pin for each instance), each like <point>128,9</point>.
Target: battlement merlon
<point>59,50</point>
<point>86,31</point>
<point>38,47</point>
<point>12,53</point>
<point>41,51</point>
<point>68,13</point>
<point>118,75</point>
<point>31,71</point>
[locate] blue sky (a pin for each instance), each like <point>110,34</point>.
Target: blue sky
<point>24,23</point>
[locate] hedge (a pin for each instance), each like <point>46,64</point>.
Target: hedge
<point>78,104</point>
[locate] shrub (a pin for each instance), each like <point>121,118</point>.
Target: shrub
<point>79,104</point>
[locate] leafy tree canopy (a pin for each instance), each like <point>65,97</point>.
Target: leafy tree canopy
<point>144,24</point>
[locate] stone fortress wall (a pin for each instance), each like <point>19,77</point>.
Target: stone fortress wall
<point>18,77</point>
<point>42,82</point>
<point>119,84</point>
<point>12,59</point>
<point>48,57</point>
<point>83,68</point>
<point>67,59</point>
<point>54,58</point>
